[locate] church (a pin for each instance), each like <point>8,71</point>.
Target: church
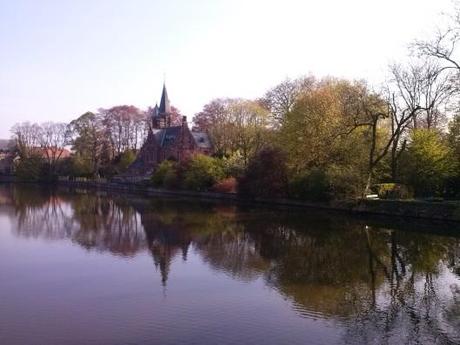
<point>168,138</point>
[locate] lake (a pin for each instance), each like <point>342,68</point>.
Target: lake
<point>80,267</point>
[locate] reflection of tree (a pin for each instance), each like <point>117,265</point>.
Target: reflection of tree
<point>92,221</point>
<point>384,285</point>
<point>106,223</point>
<point>411,306</point>
<point>41,213</point>
<point>233,252</point>
<point>322,271</point>
<point>381,285</point>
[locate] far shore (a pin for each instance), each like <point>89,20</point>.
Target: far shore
<point>421,209</point>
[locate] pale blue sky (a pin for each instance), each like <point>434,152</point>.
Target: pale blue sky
<point>59,59</point>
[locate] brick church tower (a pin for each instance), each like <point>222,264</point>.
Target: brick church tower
<point>166,140</point>
<point>161,116</point>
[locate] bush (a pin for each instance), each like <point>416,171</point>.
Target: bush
<point>233,165</point>
<point>165,175</point>
<point>80,167</point>
<point>32,168</point>
<point>202,172</point>
<point>452,188</point>
<point>228,185</point>
<point>392,191</point>
<point>313,185</point>
<point>124,160</point>
<point>345,181</point>
<point>265,175</point>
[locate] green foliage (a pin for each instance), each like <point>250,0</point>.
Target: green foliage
<point>428,163</point>
<point>124,161</point>
<point>313,185</point>
<point>165,175</point>
<point>233,165</point>
<point>345,181</point>
<point>81,167</point>
<point>31,168</point>
<point>392,191</point>
<point>453,136</point>
<point>266,175</point>
<point>202,172</point>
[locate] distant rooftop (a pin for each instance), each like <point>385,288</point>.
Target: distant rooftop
<point>5,144</point>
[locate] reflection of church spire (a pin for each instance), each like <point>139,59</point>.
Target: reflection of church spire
<point>185,247</point>
<point>162,259</point>
<point>165,264</point>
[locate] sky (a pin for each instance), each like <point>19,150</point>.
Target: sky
<point>59,59</point>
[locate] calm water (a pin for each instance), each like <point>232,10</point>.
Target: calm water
<point>81,268</point>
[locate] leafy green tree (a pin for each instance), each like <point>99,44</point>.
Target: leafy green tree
<point>453,136</point>
<point>428,162</point>
<point>89,143</point>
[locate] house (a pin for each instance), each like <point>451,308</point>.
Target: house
<point>168,138</point>
<point>7,157</point>
<point>51,154</point>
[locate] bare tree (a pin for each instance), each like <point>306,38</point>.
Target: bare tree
<point>415,95</point>
<point>126,127</point>
<point>443,45</point>
<point>26,136</point>
<point>234,125</point>
<point>52,140</point>
<point>280,99</point>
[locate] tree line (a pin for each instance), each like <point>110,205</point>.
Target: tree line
<point>331,137</point>
<point>311,138</point>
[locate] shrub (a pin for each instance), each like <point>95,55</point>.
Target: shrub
<point>265,175</point>
<point>392,191</point>
<point>165,175</point>
<point>313,185</point>
<point>32,168</point>
<point>345,181</point>
<point>452,187</point>
<point>124,160</point>
<point>202,172</point>
<point>233,165</point>
<point>228,185</point>
<point>80,167</point>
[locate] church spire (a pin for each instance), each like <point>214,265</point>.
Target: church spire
<point>165,106</point>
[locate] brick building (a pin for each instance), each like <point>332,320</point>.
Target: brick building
<point>167,139</point>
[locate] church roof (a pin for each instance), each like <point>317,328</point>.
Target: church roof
<point>202,140</point>
<point>167,136</point>
<point>165,106</point>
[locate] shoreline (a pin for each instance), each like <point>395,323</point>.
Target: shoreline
<point>448,211</point>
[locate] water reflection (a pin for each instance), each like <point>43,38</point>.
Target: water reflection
<point>378,284</point>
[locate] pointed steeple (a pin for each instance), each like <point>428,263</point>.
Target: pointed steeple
<point>165,106</point>
<point>155,111</point>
